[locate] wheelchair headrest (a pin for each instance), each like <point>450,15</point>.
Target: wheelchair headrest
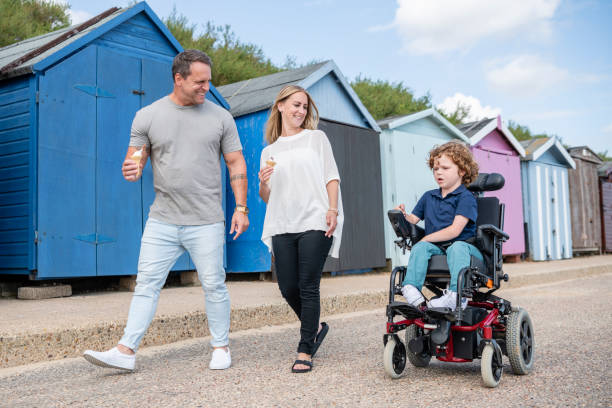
<point>487,182</point>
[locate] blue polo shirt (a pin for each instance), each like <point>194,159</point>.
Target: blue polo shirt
<point>439,213</point>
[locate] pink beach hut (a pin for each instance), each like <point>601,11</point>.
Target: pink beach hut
<point>497,150</point>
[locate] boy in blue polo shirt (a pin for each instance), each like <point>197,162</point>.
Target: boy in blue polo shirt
<point>450,214</point>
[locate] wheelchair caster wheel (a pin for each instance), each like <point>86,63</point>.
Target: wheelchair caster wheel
<point>491,366</point>
<point>394,357</point>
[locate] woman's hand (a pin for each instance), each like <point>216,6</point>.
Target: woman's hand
<point>264,174</point>
<point>332,222</point>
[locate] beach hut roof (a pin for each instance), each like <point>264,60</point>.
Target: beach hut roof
<point>39,53</point>
<point>605,169</point>
<point>585,153</point>
<point>476,131</point>
<point>256,94</point>
<point>401,120</point>
<point>536,147</point>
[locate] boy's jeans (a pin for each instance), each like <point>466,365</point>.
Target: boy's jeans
<point>457,256</point>
<point>162,244</point>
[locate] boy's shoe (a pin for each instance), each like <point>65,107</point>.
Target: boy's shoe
<point>112,358</point>
<point>448,299</point>
<point>221,359</point>
<point>413,295</point>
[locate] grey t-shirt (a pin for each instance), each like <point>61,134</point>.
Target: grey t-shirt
<point>186,143</point>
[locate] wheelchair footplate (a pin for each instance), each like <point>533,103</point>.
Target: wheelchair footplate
<point>408,311</point>
<point>441,313</point>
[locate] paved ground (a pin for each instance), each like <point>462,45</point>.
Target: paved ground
<point>573,327</point>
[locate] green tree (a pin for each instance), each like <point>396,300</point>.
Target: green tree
<point>384,99</point>
<point>22,19</point>
<point>233,60</point>
<point>522,132</point>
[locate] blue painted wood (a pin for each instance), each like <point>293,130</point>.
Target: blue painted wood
<point>67,168</point>
<point>33,186</point>
<point>248,253</point>
<point>15,122</point>
<point>118,202</point>
<point>334,103</point>
<point>8,97</point>
<point>546,208</point>
<point>60,158</point>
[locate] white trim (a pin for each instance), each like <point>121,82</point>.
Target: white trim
<point>504,130</point>
<point>553,141</point>
<point>556,208</point>
<point>330,66</point>
<point>404,120</point>
<point>540,220</point>
<point>549,234</point>
<point>566,219</point>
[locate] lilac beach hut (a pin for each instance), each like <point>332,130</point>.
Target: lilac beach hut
<point>497,151</point>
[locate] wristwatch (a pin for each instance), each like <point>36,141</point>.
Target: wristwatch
<point>242,208</point>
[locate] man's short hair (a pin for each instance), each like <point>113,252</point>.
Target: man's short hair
<point>182,62</point>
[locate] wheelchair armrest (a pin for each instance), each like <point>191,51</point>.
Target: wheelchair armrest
<point>492,230</point>
<point>403,228</point>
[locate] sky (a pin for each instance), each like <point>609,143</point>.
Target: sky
<point>546,64</point>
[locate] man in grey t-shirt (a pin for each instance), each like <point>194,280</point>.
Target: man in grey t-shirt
<point>184,135</point>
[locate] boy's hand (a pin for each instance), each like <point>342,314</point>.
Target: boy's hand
<point>402,208</point>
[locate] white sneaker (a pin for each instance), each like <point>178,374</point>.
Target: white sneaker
<point>220,360</point>
<point>413,295</point>
<point>112,358</point>
<point>448,299</point>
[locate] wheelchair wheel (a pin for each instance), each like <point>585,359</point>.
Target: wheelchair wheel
<point>491,366</point>
<point>394,357</point>
<point>520,342</point>
<point>420,359</point>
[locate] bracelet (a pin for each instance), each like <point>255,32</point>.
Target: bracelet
<point>334,210</point>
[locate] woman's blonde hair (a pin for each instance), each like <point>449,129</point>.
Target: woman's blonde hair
<point>274,125</point>
<point>460,155</point>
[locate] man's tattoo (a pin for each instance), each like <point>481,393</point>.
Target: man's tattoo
<point>238,177</point>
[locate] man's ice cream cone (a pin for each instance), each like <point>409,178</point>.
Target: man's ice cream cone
<point>137,157</point>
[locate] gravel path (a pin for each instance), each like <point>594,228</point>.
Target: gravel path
<point>573,327</point>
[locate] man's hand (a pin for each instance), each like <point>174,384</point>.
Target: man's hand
<point>130,170</point>
<point>240,223</point>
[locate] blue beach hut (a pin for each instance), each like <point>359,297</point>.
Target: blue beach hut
<point>546,202</point>
<point>353,134</point>
<point>405,142</point>
<point>67,100</point>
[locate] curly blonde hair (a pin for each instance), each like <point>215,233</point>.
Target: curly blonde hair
<point>460,155</point>
<point>274,125</point>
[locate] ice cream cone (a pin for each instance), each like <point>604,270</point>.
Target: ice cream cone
<point>137,157</point>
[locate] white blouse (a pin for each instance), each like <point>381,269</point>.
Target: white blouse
<point>298,196</point>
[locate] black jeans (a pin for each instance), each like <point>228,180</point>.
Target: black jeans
<point>299,259</point>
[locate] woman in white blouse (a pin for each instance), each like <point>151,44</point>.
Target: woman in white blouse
<point>299,181</point>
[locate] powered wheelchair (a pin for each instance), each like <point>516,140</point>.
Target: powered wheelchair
<point>487,328</point>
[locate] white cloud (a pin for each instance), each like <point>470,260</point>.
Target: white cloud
<point>608,129</point>
<point>436,26</point>
<point>78,16</point>
<point>477,111</point>
<point>525,75</point>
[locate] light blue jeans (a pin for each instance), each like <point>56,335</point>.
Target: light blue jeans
<point>162,244</point>
<point>457,256</point>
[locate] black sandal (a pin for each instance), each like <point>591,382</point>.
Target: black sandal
<point>319,338</point>
<point>301,370</point>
